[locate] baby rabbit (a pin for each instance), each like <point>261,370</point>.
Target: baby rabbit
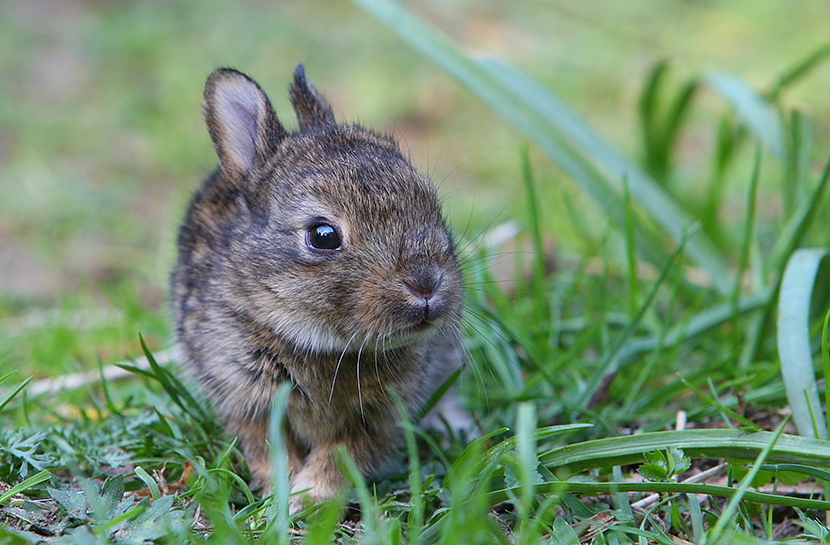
<point>318,257</point>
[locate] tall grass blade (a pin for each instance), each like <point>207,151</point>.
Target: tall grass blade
<point>631,252</point>
<point>798,71</point>
<point>415,520</point>
<point>794,346</point>
<point>526,456</point>
<point>539,265</point>
<point>609,365</point>
<point>754,111</point>
<point>659,204</point>
<point>279,521</point>
<point>556,128</point>
<point>793,231</point>
<point>675,118</point>
<point>648,106</point>
<point>598,488</point>
<point>699,324</point>
<point>749,227</point>
<point>825,360</point>
<point>714,443</point>
<point>732,507</point>
<point>11,395</point>
<point>799,158</point>
<point>369,508</point>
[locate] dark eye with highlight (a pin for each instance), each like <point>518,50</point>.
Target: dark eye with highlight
<point>323,236</point>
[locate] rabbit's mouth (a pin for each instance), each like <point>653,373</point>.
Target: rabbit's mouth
<point>418,332</point>
<point>423,325</point>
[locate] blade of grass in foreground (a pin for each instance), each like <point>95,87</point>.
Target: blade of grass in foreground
<point>743,487</point>
<point>559,130</point>
<point>561,487</point>
<point>794,346</point>
<point>11,395</point>
<point>32,481</point>
<point>714,443</point>
<point>277,530</point>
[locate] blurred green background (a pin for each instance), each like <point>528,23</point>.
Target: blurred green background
<point>102,139</point>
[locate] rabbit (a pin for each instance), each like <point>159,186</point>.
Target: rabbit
<point>318,257</point>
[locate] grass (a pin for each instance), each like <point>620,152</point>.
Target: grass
<point>638,390</point>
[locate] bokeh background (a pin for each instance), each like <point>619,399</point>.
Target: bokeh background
<point>102,139</point>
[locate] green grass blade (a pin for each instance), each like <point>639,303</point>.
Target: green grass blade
<point>749,228</point>
<point>796,468</point>
<point>726,517</point>
<point>609,365</point>
<point>148,480</point>
<point>799,161</point>
<point>677,114</point>
<point>561,487</point>
<point>793,231</point>
<point>715,402</point>
<point>755,113</point>
<point>696,516</point>
<point>714,443</point>
<point>526,456</point>
<point>561,118</point>
<point>437,396</point>
<point>825,360</point>
<point>279,521</point>
<point>648,106</point>
<point>699,324</point>
<point>415,520</point>
<point>34,480</point>
<point>535,216</point>
<point>352,473</point>
<point>555,127</point>
<point>794,346</point>
<point>799,70</point>
<point>631,252</point>
<point>11,395</point>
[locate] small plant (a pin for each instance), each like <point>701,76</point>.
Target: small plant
<point>664,465</point>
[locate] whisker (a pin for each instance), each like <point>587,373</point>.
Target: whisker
<point>377,372</point>
<point>337,368</point>
<point>359,391</point>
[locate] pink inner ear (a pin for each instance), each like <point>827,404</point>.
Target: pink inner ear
<point>239,111</point>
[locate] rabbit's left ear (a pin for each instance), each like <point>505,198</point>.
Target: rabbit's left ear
<point>312,109</point>
<point>241,121</point>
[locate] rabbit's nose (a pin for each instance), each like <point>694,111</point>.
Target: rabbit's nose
<point>424,283</point>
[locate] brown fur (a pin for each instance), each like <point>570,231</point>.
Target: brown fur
<point>256,306</point>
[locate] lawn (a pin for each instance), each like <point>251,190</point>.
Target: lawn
<point>639,192</point>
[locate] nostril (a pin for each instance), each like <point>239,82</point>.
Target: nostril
<point>424,285</point>
<point>420,291</point>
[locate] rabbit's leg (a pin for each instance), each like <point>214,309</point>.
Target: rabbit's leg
<point>320,476</point>
<point>253,439</point>
<point>252,436</point>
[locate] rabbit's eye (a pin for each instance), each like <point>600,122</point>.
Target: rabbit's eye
<point>323,236</point>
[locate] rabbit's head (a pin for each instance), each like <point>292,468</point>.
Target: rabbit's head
<point>337,242</point>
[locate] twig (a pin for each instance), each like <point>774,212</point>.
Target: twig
<point>702,476</point>
<point>74,381</point>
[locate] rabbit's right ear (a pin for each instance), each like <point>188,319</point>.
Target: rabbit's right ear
<point>241,121</point>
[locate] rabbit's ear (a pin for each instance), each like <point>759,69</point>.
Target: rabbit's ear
<point>242,123</point>
<point>312,109</point>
